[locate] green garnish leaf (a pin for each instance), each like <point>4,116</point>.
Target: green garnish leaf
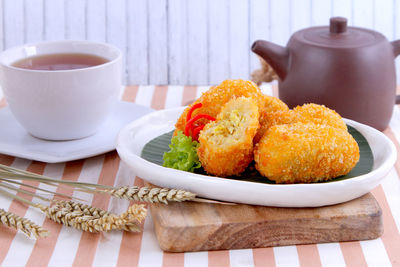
<point>182,154</point>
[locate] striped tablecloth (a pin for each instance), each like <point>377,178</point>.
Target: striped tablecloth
<point>67,246</point>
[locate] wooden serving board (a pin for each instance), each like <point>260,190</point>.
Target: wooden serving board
<point>191,226</point>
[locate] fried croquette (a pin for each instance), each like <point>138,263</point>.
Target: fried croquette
<point>226,145</point>
<point>305,152</point>
<point>216,97</point>
<point>319,114</point>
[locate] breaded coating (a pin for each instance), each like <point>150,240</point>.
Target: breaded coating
<point>319,114</point>
<point>305,152</point>
<point>269,119</point>
<point>226,145</point>
<point>271,104</point>
<point>272,111</point>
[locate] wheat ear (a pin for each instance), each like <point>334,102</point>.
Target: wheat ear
<point>24,225</point>
<point>87,218</point>
<point>145,194</point>
<point>152,195</point>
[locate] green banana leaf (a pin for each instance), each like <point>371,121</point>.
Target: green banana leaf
<point>153,151</point>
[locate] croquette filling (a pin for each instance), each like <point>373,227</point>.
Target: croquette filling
<point>227,127</point>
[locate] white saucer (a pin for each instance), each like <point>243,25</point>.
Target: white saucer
<point>16,141</point>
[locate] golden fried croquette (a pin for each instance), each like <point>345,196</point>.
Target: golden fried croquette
<point>216,97</point>
<point>319,114</point>
<point>226,145</point>
<point>305,152</point>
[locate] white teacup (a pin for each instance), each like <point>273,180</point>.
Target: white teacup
<point>61,104</point>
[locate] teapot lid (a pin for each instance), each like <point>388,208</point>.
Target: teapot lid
<point>338,35</point>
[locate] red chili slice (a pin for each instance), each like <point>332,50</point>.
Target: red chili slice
<point>189,114</point>
<point>189,124</point>
<point>196,131</point>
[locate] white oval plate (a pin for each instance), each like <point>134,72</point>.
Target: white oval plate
<point>133,137</point>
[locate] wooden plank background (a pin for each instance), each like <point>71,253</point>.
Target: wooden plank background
<point>184,41</point>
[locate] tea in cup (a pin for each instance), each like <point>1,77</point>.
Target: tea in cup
<point>61,90</point>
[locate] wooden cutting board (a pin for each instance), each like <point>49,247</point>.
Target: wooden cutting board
<point>191,226</point>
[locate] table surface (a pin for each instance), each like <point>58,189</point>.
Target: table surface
<point>67,246</point>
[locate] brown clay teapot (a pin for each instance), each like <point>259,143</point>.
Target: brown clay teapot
<point>348,69</point>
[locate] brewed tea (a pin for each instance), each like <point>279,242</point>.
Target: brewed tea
<point>62,61</point>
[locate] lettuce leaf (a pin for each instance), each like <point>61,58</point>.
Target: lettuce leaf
<point>183,154</point>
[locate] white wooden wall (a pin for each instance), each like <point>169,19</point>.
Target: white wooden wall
<point>185,41</point>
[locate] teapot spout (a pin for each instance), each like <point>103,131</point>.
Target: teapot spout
<point>275,55</point>
<point>396,47</point>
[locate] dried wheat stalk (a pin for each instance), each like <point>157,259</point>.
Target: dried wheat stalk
<point>145,194</point>
<point>152,195</point>
<point>87,218</point>
<point>20,223</point>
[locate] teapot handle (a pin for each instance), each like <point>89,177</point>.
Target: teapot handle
<point>396,51</point>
